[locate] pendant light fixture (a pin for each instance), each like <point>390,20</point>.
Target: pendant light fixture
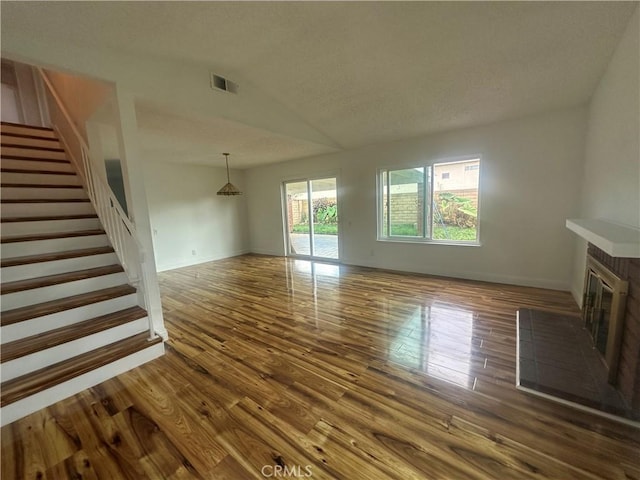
<point>229,188</point>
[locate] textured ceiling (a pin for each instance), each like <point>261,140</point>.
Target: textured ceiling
<point>172,137</point>
<point>358,72</point>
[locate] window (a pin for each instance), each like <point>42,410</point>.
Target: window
<point>416,204</point>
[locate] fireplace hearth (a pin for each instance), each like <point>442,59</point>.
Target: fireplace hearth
<point>556,359</point>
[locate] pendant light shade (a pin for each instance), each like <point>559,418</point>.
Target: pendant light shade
<point>229,188</point>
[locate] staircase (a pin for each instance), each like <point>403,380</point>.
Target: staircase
<point>69,318</point>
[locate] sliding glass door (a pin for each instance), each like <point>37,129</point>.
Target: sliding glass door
<point>325,218</point>
<point>311,211</point>
<point>297,203</point>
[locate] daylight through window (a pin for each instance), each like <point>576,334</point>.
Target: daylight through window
<point>436,203</point>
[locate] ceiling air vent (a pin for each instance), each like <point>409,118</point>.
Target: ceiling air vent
<point>221,84</point>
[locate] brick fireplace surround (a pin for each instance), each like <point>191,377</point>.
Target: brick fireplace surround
<point>628,380</point>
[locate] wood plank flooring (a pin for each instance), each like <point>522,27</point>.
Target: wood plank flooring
<point>279,368</point>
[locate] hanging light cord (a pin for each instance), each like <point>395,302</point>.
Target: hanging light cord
<point>229,188</point>
<point>226,158</point>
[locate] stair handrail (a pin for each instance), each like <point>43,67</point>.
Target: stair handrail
<point>85,148</point>
<point>117,225</point>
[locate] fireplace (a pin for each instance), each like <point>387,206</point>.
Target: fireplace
<point>604,302</point>
<point>626,374</point>
<point>614,248</point>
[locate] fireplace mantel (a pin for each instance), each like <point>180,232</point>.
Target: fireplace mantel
<point>616,240</point>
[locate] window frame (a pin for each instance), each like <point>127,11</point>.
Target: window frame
<point>428,178</point>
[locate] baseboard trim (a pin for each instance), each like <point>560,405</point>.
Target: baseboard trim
<point>198,260</point>
<point>465,275</point>
<point>469,275</point>
<point>271,253</point>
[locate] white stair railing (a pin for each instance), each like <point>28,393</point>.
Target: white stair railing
<point>117,225</point>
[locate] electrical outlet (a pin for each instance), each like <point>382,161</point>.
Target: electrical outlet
<point>193,252</point>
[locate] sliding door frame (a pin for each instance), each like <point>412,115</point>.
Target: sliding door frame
<point>285,217</point>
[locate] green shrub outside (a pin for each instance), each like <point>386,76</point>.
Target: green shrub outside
<point>318,228</point>
<point>447,232</point>
<point>440,232</point>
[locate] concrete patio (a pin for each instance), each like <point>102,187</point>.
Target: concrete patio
<point>324,246</point>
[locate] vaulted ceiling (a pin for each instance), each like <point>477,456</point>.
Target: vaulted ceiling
<point>316,77</point>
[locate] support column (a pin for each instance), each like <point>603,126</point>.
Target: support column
<point>133,177</point>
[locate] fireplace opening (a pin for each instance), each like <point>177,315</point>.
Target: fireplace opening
<point>603,312</point>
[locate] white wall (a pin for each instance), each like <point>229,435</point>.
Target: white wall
<point>20,99</point>
<point>9,110</point>
<point>611,183</point>
<point>81,96</point>
<point>530,180</point>
<point>31,113</point>
<point>187,215</point>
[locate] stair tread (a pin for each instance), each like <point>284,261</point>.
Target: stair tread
<point>37,159</point>
<point>54,306</point>
<point>52,236</point>
<point>32,147</point>
<point>38,185</point>
<point>50,257</point>
<point>49,280</point>
<point>45,200</point>
<point>25,135</point>
<point>32,127</point>
<point>22,387</point>
<point>49,218</point>
<point>36,343</point>
<point>41,172</point>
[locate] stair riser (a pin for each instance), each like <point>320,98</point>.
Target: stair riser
<point>30,142</point>
<point>56,292</point>
<point>20,130</point>
<point>33,270</point>
<point>22,193</point>
<point>40,178</point>
<point>30,152</point>
<point>38,247</point>
<point>40,400</point>
<point>46,209</point>
<point>36,165</point>
<point>16,229</point>
<point>36,361</point>
<point>45,323</point>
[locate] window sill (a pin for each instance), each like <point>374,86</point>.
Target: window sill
<point>449,243</point>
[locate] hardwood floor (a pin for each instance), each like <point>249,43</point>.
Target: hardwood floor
<point>286,369</point>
